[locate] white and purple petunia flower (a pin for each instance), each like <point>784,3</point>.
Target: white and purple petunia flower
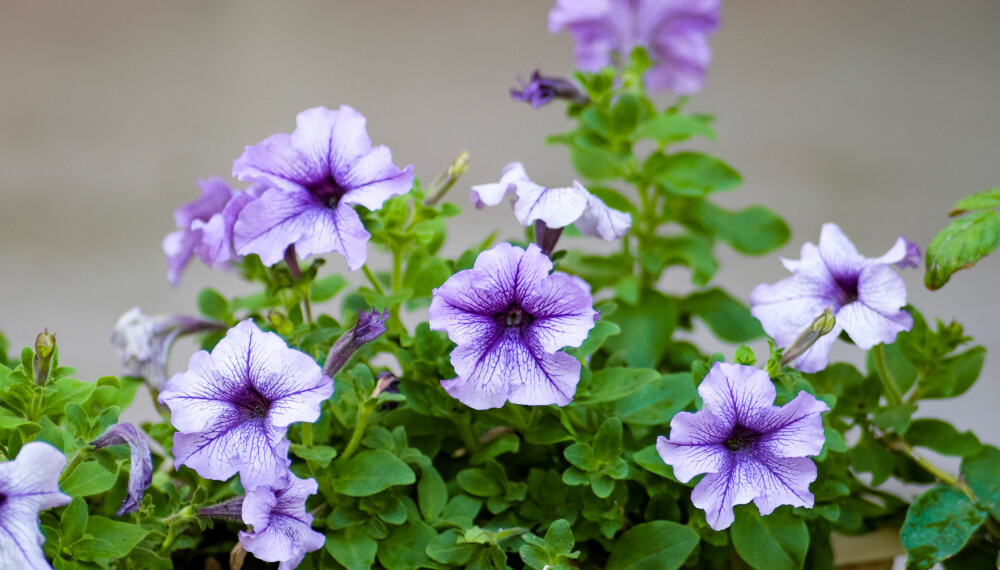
<point>674,32</point>
<point>540,90</point>
<point>318,174</point>
<point>866,296</point>
<point>282,529</point>
<point>552,209</point>
<point>232,407</point>
<point>28,484</point>
<point>140,475</point>
<point>509,318</point>
<point>750,449</point>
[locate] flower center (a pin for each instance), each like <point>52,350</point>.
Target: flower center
<point>327,190</point>
<point>513,316</point>
<point>848,285</point>
<point>253,404</point>
<point>741,438</point>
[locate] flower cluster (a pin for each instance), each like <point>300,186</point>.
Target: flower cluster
<point>509,318</point>
<point>232,409</point>
<point>301,199</point>
<point>865,296</point>
<point>751,449</point>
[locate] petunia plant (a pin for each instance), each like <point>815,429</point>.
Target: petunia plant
<point>526,403</point>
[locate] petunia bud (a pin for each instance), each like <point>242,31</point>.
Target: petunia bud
<point>546,237</point>
<point>369,327</point>
<point>540,90</point>
<point>140,475</point>
<point>231,510</point>
<point>45,347</point>
<point>819,327</point>
<point>447,178</point>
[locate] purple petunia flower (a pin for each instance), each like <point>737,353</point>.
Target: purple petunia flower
<point>282,529</point>
<point>318,173</point>
<point>28,484</point>
<point>674,32</point>
<point>232,407</point>
<point>751,449</point>
<point>552,209</point>
<point>866,296</point>
<point>509,318</point>
<point>140,475</point>
<point>540,90</point>
<point>143,342</point>
<point>183,243</point>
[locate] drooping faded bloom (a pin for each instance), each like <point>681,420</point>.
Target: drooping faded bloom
<point>232,408</point>
<point>509,318</point>
<point>318,174</point>
<point>865,295</point>
<point>540,90</point>
<point>140,475</point>
<point>750,449</point>
<point>674,32</point>
<point>29,483</point>
<point>552,209</point>
<point>143,342</point>
<point>370,325</point>
<point>282,529</point>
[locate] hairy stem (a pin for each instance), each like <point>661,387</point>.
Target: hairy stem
<point>371,277</point>
<point>364,410</point>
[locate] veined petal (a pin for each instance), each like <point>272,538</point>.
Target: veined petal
<point>736,393</point>
<point>333,139</point>
<point>868,327</point>
<point>696,445</point>
<point>682,60</point>
<point>492,194</point>
<point>734,484</point>
<point>277,162</point>
<point>557,207</point>
<point>881,289</point>
<point>466,313</point>
<point>599,220</point>
<point>787,307</point>
<point>373,179</point>
<point>548,379</point>
<point>562,313</point>
<point>784,481</point>
<point>233,446</point>
<point>839,254</point>
<point>793,430</point>
<point>282,529</point>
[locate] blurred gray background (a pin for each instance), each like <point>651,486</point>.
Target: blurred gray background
<point>877,115</point>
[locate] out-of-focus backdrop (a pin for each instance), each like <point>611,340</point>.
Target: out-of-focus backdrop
<point>877,115</point>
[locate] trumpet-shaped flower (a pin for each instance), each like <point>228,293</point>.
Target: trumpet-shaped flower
<point>232,407</point>
<point>751,449</point>
<point>318,174</point>
<point>865,295</point>
<point>674,32</point>
<point>140,475</point>
<point>540,90</point>
<point>282,529</point>
<point>28,484</point>
<point>509,318</point>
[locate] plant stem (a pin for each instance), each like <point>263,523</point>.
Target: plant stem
<point>307,434</point>
<point>397,270</point>
<point>359,430</point>
<point>892,393</point>
<point>371,278</point>
<point>72,466</point>
<point>468,433</point>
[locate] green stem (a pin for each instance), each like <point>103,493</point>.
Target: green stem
<point>307,434</point>
<point>72,466</point>
<point>397,270</point>
<point>892,393</point>
<point>359,430</point>
<point>308,308</point>
<point>468,432</point>
<point>371,278</point>
<point>171,537</point>
<point>509,532</point>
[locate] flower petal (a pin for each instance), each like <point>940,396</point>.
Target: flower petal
<point>557,207</point>
<point>816,358</point>
<point>696,444</point>
<point>793,430</point>
<point>282,529</point>
<point>373,179</point>
<point>277,162</point>
<point>785,481</point>
<point>492,194</point>
<point>735,484</point>
<point>868,327</point>
<point>562,313</point>
<point>235,445</point>
<point>601,221</point>
<point>736,393</point>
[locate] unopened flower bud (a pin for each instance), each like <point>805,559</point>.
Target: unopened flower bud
<point>231,510</point>
<point>546,237</point>
<point>447,178</point>
<point>370,325</point>
<point>140,475</point>
<point>541,90</point>
<point>45,347</point>
<point>819,327</point>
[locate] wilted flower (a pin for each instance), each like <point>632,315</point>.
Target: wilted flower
<point>140,475</point>
<point>866,296</point>
<point>509,318</point>
<point>232,407</point>
<point>318,173</point>
<point>552,209</point>
<point>674,32</point>
<point>143,342</point>
<point>368,328</point>
<point>540,90</point>
<point>29,483</point>
<point>282,529</point>
<point>751,449</point>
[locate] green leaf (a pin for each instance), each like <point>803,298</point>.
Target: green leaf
<point>581,455</point>
<point>657,402</point>
<point>213,305</point>
<point>778,541</point>
<point>600,333</point>
<point>121,536</point>
<point>648,337</point>
<point>614,199</point>
<point>326,288</point>
<point>649,459</point>
<point>961,245</point>
<point>696,174</point>
<point>73,521</point>
<point>692,251</point>
<point>405,548</point>
<point>942,437</point>
<point>872,457</point>
<point>447,548</point>
<point>352,547</point>
<point>432,494</point>
<point>896,418</point>
<point>657,545</point>
<point>91,549</point>
<point>625,114</point>
<point>980,201</point>
<point>65,390</point>
<point>608,440</point>
<point>980,472</point>
<point>321,454</point>
<point>149,560</point>
<point>728,318</point>
<point>938,524</point>
<point>89,478</point>
<point>610,384</point>
<point>506,443</point>
<point>752,231</point>
<point>369,472</point>
<point>479,483</point>
<point>669,128</point>
<point>595,163</point>
<point>745,356</point>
